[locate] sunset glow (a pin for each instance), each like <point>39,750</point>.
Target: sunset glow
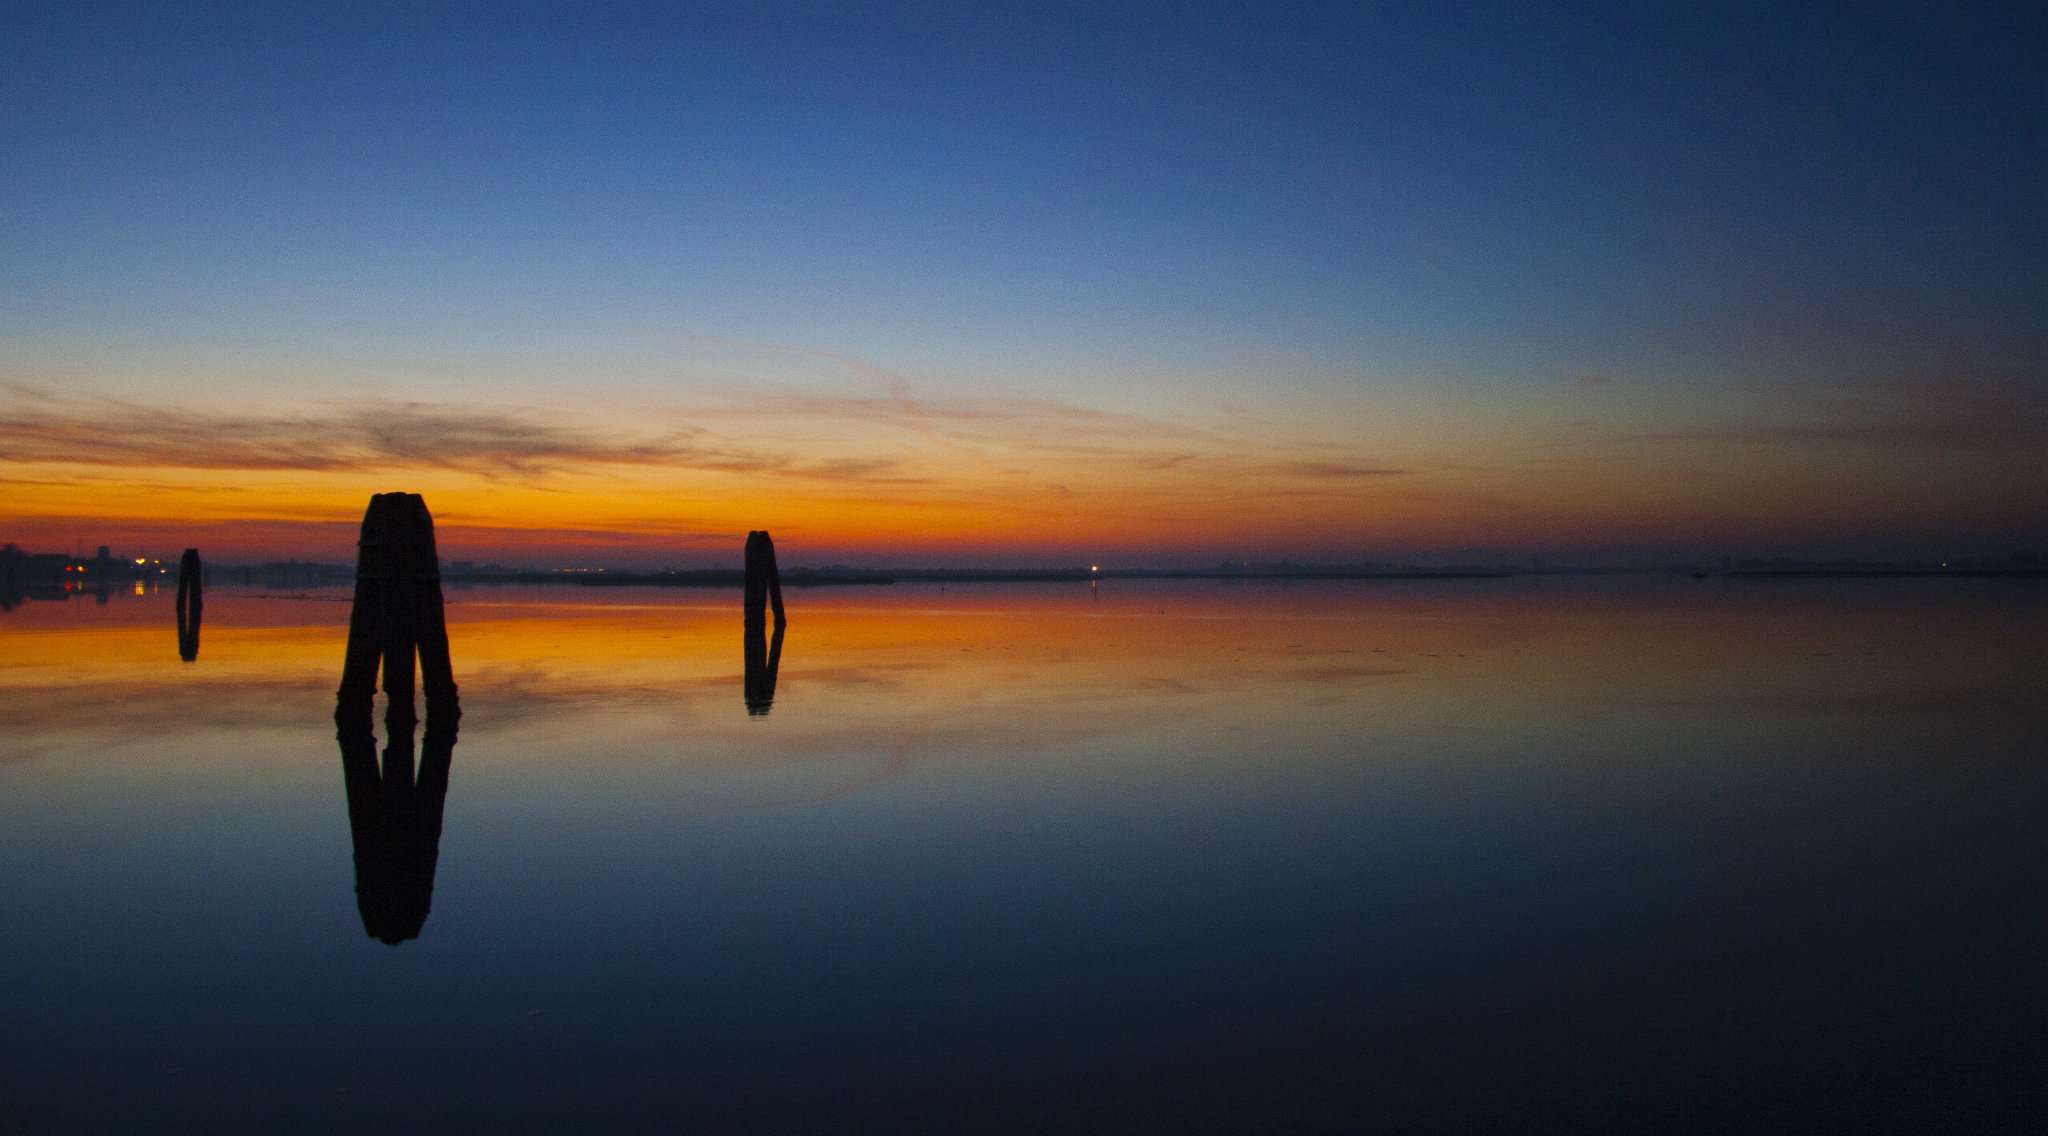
<point>1359,300</point>
<point>913,566</point>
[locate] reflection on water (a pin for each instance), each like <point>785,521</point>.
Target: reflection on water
<point>1498,855</point>
<point>396,617</point>
<point>763,590</point>
<point>763,663</point>
<point>394,815</point>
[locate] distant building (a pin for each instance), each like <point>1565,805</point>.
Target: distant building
<point>42,566</point>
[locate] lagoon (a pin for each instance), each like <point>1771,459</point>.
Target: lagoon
<point>1591,853</point>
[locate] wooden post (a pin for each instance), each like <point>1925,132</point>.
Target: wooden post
<point>761,659</point>
<point>191,602</point>
<point>398,612</point>
<point>764,583</point>
<point>395,813</point>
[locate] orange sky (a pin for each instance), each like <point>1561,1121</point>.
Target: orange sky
<point>1294,286</point>
<point>1569,473</point>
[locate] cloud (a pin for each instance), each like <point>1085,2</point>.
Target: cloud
<point>945,421</point>
<point>384,435</point>
<point>629,533</point>
<point>870,470</point>
<point>1335,470</point>
<point>1015,420</point>
<point>1935,413</point>
<point>1934,434</point>
<point>1788,435</point>
<point>423,434</point>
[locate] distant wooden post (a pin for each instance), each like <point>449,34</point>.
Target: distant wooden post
<point>398,611</point>
<point>191,602</point>
<point>761,659</point>
<point>764,583</point>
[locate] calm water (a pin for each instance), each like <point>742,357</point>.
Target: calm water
<point>1629,854</point>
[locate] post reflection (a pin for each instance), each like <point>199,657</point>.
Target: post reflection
<point>763,660</point>
<point>394,815</point>
<point>394,812</point>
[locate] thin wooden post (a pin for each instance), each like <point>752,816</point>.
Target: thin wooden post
<point>191,603</point>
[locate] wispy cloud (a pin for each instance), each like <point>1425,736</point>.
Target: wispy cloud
<point>1947,435</point>
<point>1926,413</point>
<point>948,421</point>
<point>1334,470</point>
<point>41,428</point>
<point>962,420</point>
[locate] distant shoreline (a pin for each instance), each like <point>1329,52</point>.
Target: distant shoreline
<point>35,576</point>
<point>816,578</point>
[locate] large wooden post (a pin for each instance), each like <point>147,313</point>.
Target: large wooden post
<point>394,813</point>
<point>398,613</point>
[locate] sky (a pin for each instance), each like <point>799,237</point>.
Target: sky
<point>1030,284</point>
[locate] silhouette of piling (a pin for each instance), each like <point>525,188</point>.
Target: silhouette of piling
<point>763,661</point>
<point>394,814</point>
<point>398,612</point>
<point>191,602</point>
<point>764,583</point>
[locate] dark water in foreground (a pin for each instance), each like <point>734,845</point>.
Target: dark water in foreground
<point>1502,854</point>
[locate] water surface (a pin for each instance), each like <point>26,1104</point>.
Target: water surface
<point>1607,853</point>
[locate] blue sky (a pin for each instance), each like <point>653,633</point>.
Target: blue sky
<point>1214,207</point>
